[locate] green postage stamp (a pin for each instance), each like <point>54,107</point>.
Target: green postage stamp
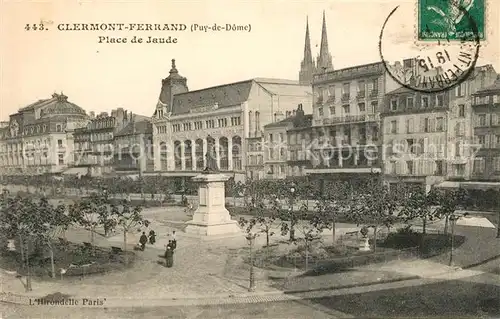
<point>453,20</point>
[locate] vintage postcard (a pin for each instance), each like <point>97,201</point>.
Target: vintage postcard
<point>250,159</point>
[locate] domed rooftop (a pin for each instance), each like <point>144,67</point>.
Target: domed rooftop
<point>59,105</point>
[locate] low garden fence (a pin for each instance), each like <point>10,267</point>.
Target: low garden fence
<point>316,263</point>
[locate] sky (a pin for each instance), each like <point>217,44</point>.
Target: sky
<point>102,77</point>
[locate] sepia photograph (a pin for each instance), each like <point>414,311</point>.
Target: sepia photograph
<point>258,159</point>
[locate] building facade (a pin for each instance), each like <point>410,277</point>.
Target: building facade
<point>486,120</point>
<point>299,138</point>
<point>275,146</point>
<point>428,137</point>
<point>94,152</point>
<point>39,137</point>
<point>345,135</point>
<point>133,147</point>
<point>225,116</point>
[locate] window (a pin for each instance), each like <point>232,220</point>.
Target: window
<point>481,139</point>
<point>426,125</point>
<point>439,100</point>
<point>394,105</point>
<point>482,119</point>
<point>392,167</point>
<point>411,146</point>
<point>425,101</point>
<point>461,110</point>
<point>361,86</point>
<point>320,111</point>
<point>496,164</point>
<point>439,124</point>
<point>409,102</point>
<point>409,126</point>
<point>409,167</point>
<point>332,109</point>
<point>461,89</point>
<point>346,108</point>
<point>361,89</point>
<point>235,121</point>
<point>176,127</point>
<point>222,122</point>
<point>497,140</point>
<point>324,93</point>
<point>394,127</point>
<point>374,105</point>
<point>439,168</point>
<point>373,87</point>
<point>479,165</point>
<point>331,92</point>
<point>362,107</point>
<point>346,88</point>
<point>59,143</point>
<point>210,123</point>
<point>61,159</point>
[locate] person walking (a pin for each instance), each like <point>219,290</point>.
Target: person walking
<point>143,241</point>
<point>152,237</point>
<point>169,256</point>
<point>174,240</point>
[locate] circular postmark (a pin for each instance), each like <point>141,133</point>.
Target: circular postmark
<point>440,63</point>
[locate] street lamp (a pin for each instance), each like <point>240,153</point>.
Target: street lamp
<point>251,239</point>
<point>292,217</point>
<point>453,218</point>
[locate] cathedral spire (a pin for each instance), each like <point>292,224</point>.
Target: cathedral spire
<point>307,68</point>
<point>324,61</point>
<point>307,45</point>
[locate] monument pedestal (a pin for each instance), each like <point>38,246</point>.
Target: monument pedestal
<point>364,244</point>
<point>212,218</point>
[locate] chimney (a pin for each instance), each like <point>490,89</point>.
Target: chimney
<point>279,116</point>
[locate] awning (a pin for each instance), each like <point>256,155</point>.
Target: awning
<point>449,184</point>
<point>76,171</point>
<point>481,185</point>
<point>475,222</point>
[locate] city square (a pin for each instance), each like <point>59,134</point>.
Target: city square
<point>335,174</point>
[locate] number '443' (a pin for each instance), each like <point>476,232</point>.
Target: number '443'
<point>34,27</point>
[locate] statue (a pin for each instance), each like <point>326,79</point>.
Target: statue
<point>211,157</point>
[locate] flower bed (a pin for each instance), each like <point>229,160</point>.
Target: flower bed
<point>76,260</point>
<point>326,259</point>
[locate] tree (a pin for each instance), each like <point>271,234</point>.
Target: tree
<point>127,218</point>
<point>86,214</point>
<point>418,204</point>
<point>20,217</point>
<point>375,205</point>
<point>262,217</point>
<point>449,201</point>
<point>308,231</point>
<point>54,222</point>
<point>332,202</point>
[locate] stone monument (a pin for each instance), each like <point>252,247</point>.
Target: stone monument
<point>211,218</point>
